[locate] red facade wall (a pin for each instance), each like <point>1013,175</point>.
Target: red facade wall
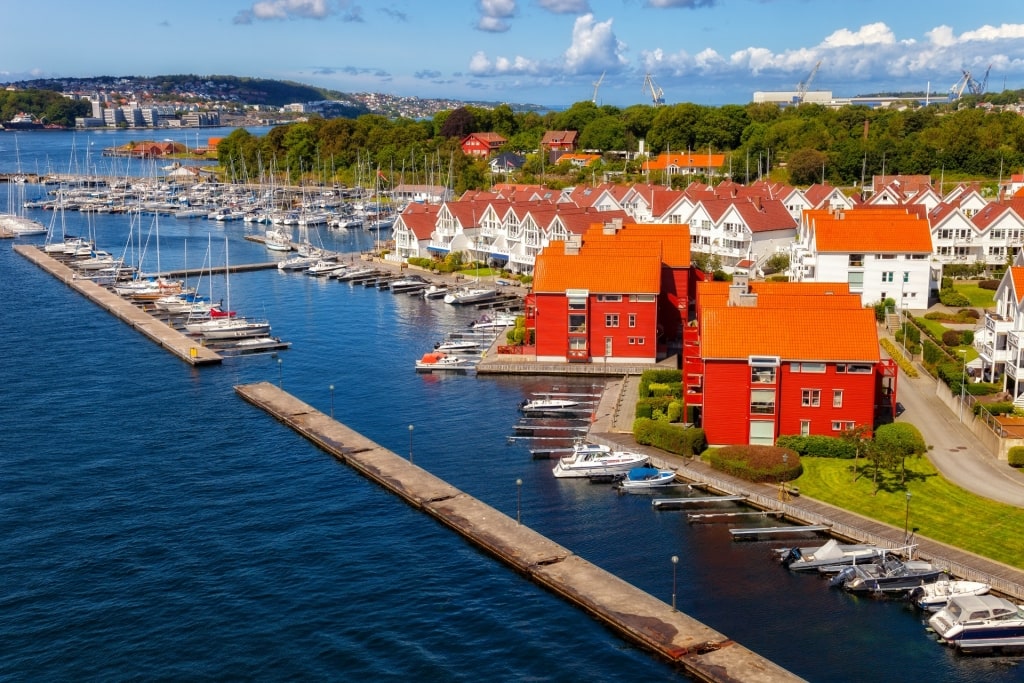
<point>727,386</point>
<point>552,331</point>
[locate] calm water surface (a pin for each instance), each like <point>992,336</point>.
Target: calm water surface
<point>156,526</point>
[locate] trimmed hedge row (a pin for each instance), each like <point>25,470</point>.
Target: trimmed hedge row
<point>898,356</point>
<point>650,377</point>
<point>668,437</point>
<point>1016,456</point>
<point>818,446</point>
<point>757,463</point>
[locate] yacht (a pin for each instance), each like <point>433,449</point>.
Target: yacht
<point>980,623</point>
<point>888,575</point>
<point>594,460</point>
<point>831,555</point>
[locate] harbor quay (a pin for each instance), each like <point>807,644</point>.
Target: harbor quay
<point>182,346</point>
<point>701,652</point>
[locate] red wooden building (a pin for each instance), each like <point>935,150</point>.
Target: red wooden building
<point>784,358</point>
<point>482,144</point>
<point>618,293</point>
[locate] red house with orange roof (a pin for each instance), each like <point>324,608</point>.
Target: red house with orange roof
<point>615,294</point>
<point>765,364</point>
<point>686,163</point>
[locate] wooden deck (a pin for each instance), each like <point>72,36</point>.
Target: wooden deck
<point>639,617</point>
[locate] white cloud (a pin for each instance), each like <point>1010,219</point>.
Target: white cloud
<point>870,34</point>
<point>494,15</point>
<point>267,10</point>
<point>481,65</point>
<point>1002,32</point>
<point>594,46</point>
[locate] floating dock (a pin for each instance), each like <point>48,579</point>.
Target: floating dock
<point>182,346</point>
<point>745,534</point>
<point>675,503</point>
<point>702,653</point>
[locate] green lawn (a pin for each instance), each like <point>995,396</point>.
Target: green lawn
<point>939,510</point>
<point>933,326</point>
<point>980,298</point>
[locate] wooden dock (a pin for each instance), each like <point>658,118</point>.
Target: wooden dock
<point>182,346</point>
<point>639,617</point>
<point>741,534</point>
<point>676,503</point>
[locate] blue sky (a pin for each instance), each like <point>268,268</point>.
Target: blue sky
<point>548,52</point>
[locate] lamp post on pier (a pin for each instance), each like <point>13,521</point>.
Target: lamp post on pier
<point>519,501</point>
<point>280,374</point>
<point>332,400</point>
<point>675,566</point>
<point>411,427</point>
<point>906,519</point>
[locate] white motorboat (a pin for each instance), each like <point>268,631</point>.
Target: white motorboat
<point>934,596</point>
<point>296,263</point>
<point>833,555</point>
<point>323,268</point>
<point>435,292</point>
<point>887,575</point>
<point>468,295</point>
<point>451,345</point>
<point>980,623</point>
<point>549,405</point>
<point>437,361</point>
<point>644,478</point>
<point>594,460</point>
<point>499,321</point>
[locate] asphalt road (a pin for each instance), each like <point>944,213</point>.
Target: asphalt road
<point>955,451</point>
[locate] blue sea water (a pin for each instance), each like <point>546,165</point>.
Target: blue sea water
<point>155,526</point>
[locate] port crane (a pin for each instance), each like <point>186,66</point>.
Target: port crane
<point>597,84</point>
<point>802,86</point>
<point>657,94</point>
<point>969,83</point>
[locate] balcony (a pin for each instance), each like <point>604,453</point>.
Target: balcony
<point>996,323</point>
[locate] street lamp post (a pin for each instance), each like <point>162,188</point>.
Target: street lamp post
<point>280,374</point>
<point>519,501</point>
<point>675,565</point>
<point>411,427</point>
<point>906,519</point>
<point>903,315</point>
<point>332,401</point>
<point>963,379</point>
<point>783,494</point>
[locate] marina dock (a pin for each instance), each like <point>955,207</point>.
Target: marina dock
<point>182,346</point>
<point>699,651</point>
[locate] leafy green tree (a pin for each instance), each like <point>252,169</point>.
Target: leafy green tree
<point>605,133</point>
<point>806,166</point>
<point>898,440</point>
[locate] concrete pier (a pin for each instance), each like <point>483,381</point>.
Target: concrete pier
<point>639,617</point>
<point>182,346</point>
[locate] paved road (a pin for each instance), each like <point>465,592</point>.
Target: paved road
<point>956,452</point>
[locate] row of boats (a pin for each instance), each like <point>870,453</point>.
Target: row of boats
<point>963,614</point>
<point>461,351</point>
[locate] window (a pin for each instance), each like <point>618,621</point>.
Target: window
<point>840,368</point>
<point>887,276</point>
<point>856,281</point>
<point>632,319</point>
<point>805,427</point>
<point>578,324</point>
<point>810,367</point>
<point>810,398</point>
<point>857,260</point>
<point>841,426</point>
<point>762,375</point>
<point>609,297</point>
<point>762,402</point>
<point>837,398</point>
<point>906,276</point>
<point>642,298</point>
<point>859,368</point>
<point>578,343</point>
<point>611,320</point>
<point>762,432</point>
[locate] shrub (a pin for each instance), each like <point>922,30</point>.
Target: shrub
<point>650,377</point>
<point>900,438</point>
<point>1001,408</point>
<point>932,353</point>
<point>668,437</point>
<point>969,313</point>
<point>645,407</point>
<point>777,278</point>
<point>1015,456</point>
<point>983,388</point>
<point>817,445</point>
<point>953,298</point>
<point>967,337</point>
<point>989,284</point>
<point>675,411</point>
<point>946,283</point>
<point>951,338</point>
<point>900,359</point>
<point>757,463</point>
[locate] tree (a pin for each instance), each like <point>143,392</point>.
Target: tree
<point>776,263</point>
<point>459,124</point>
<point>806,166</point>
<point>858,438</point>
<point>605,133</point>
<point>897,441</point>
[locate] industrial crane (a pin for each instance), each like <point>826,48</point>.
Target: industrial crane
<point>657,94</point>
<point>597,84</point>
<point>802,86</point>
<point>969,83</point>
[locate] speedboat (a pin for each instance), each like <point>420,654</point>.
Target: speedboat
<point>499,321</point>
<point>323,268</point>
<point>594,460</point>
<point>888,575</point>
<point>979,622</point>
<point>642,478</point>
<point>833,554</point>
<point>457,345</point>
<point>296,263</point>
<point>934,596</point>
<point>438,361</point>
<point>435,292</point>
<point>468,295</point>
<point>549,405</point>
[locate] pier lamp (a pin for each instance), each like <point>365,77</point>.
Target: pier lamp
<point>519,501</point>
<point>783,494</point>
<point>280,374</point>
<point>675,566</point>
<point>331,387</point>
<point>411,427</point>
<point>906,520</point>
<point>963,379</point>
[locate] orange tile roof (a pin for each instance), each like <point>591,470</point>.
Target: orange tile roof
<point>1017,276</point>
<point>789,333</point>
<point>637,271</point>
<point>856,232</point>
<point>689,160</point>
<point>718,287</point>
<point>779,300</point>
<point>674,239</point>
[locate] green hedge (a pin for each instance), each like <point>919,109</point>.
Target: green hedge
<point>650,377</point>
<point>645,407</point>
<point>1001,408</point>
<point>757,463</point>
<point>817,445</point>
<point>932,353</point>
<point>983,388</point>
<point>951,297</point>
<point>1016,456</point>
<point>686,441</point>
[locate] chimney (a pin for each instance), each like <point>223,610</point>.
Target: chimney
<point>572,245</point>
<point>739,292</point>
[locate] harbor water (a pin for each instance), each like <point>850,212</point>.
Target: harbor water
<point>156,526</point>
